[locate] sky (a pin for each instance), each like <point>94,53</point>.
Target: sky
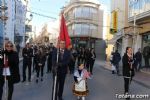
<point>50,8</point>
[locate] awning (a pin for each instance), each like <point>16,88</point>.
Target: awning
<point>114,39</point>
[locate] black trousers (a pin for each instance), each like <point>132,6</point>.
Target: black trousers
<point>49,65</point>
<point>117,67</point>
<point>27,64</point>
<point>39,69</point>
<point>146,59</point>
<point>34,64</point>
<point>91,66</point>
<point>10,87</point>
<point>71,66</point>
<point>88,65</point>
<point>127,82</point>
<point>59,86</point>
<point>138,65</point>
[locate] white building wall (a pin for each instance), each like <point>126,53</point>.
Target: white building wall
<point>15,19</point>
<point>119,6</point>
<point>20,20</point>
<point>100,24</point>
<point>104,20</point>
<point>11,19</point>
<point>138,43</point>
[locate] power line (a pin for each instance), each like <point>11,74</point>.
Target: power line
<point>33,8</point>
<point>41,15</point>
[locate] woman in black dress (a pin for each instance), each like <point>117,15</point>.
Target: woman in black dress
<point>9,69</point>
<point>128,70</point>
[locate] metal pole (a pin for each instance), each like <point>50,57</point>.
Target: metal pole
<point>3,18</point>
<point>133,47</point>
<point>134,33</point>
<point>55,78</point>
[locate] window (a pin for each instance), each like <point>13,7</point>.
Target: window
<point>85,29</point>
<point>147,5</point>
<point>138,6</point>
<point>77,29</point>
<point>86,12</point>
<point>78,12</point>
<point>93,29</point>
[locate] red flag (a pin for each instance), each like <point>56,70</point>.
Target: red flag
<point>64,33</point>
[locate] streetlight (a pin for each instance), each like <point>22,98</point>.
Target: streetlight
<point>4,18</point>
<point>29,19</point>
<point>28,27</point>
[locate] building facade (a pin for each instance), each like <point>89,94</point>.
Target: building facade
<point>119,23</point>
<point>15,25</point>
<point>139,12</point>
<point>139,15</point>
<point>84,21</point>
<point>11,20</point>
<point>1,29</point>
<point>20,18</point>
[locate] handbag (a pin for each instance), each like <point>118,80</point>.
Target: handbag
<point>113,67</point>
<point>80,86</point>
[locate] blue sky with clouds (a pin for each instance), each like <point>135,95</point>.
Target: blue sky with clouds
<point>50,8</point>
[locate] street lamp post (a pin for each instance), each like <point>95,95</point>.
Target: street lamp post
<point>4,18</point>
<point>134,33</point>
<point>28,27</point>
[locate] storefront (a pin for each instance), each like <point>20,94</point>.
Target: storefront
<point>145,44</point>
<point>84,42</point>
<point>146,40</point>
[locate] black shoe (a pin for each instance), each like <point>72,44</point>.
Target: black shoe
<point>36,80</point>
<point>60,98</point>
<point>113,72</point>
<point>29,80</point>
<point>41,79</point>
<point>23,81</point>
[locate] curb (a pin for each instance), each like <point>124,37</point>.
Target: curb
<point>135,80</point>
<point>141,83</point>
<point>145,72</point>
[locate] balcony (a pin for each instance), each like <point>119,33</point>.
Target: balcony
<point>140,17</point>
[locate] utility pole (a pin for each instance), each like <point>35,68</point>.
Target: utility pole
<point>134,34</point>
<point>4,18</point>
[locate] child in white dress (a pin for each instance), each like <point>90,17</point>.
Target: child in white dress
<point>80,88</point>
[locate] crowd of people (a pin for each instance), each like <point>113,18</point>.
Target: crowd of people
<point>131,63</point>
<point>60,62</point>
<point>137,58</point>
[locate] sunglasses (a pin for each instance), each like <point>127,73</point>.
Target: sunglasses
<point>9,45</point>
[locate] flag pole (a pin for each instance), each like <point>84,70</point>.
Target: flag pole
<point>63,35</point>
<point>55,76</point>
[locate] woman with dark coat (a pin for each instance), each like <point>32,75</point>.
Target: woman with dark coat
<point>9,70</point>
<point>49,60</point>
<point>128,70</point>
<point>93,57</point>
<point>40,63</point>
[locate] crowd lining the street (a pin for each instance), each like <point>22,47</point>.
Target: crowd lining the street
<point>60,61</point>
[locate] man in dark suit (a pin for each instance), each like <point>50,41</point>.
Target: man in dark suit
<point>27,54</point>
<point>59,69</point>
<point>146,52</point>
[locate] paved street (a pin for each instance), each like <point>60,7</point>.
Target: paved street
<point>103,86</point>
<point>105,30</point>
